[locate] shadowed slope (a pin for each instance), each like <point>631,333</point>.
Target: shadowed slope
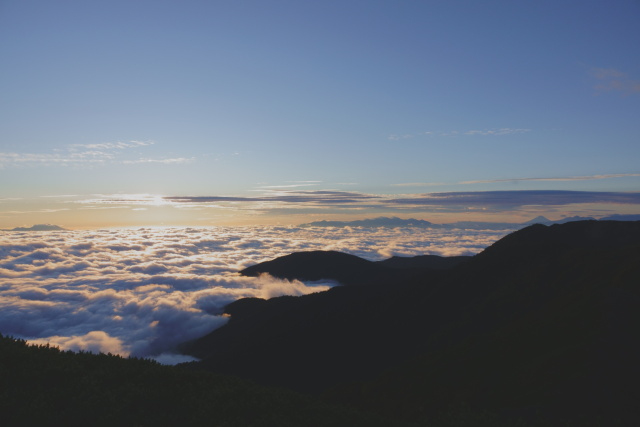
<point>41,385</point>
<point>547,318</point>
<point>434,262</point>
<point>542,325</point>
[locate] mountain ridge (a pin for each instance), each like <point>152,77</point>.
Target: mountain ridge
<point>38,227</point>
<point>541,319</point>
<point>350,269</point>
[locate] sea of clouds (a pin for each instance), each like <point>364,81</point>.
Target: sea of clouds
<point>141,292</point>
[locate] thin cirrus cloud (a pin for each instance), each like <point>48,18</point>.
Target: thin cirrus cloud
<point>569,178</point>
<point>321,197</point>
<point>177,160</point>
<point>612,80</point>
<point>535,179</point>
<point>281,196</point>
<point>486,198</point>
<point>85,154</point>
<point>142,292</point>
<point>501,200</point>
<point>119,145</point>
<point>292,184</point>
<point>296,184</point>
<point>426,202</point>
<point>454,133</point>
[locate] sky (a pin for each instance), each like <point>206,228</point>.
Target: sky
<point>202,113</point>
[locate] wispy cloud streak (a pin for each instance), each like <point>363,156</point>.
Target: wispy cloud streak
<point>516,199</point>
<point>612,80</point>
<point>177,160</point>
<point>547,179</point>
<point>534,179</point>
<point>455,133</point>
<point>87,155</point>
<point>288,201</point>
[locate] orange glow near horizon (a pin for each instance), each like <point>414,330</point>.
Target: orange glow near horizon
<point>142,210</point>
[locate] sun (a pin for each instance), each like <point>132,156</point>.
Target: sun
<point>155,200</point>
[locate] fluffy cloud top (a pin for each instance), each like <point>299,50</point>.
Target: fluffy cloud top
<point>142,292</point>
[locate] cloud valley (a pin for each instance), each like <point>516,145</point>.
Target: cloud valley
<point>140,292</point>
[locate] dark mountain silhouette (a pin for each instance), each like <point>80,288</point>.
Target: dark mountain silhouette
<point>542,325</point>
<point>317,265</point>
<point>350,269</point>
<point>434,262</point>
<point>42,385</point>
<point>546,221</point>
<point>618,217</point>
<point>39,227</point>
<point>571,219</point>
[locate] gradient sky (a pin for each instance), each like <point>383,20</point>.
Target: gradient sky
<point>239,112</point>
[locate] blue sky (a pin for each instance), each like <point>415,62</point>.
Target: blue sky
<point>111,110</point>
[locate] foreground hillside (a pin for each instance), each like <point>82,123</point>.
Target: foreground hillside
<point>41,385</point>
<point>541,327</point>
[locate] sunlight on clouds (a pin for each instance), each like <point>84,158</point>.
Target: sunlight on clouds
<point>94,341</point>
<point>271,287</point>
<point>286,205</point>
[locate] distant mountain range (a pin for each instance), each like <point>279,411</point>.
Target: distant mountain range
<point>541,328</point>
<point>39,227</point>
<point>468,225</point>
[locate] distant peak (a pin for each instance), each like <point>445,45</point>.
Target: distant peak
<point>539,220</point>
<point>40,227</point>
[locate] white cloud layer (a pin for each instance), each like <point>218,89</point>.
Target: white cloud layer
<point>141,292</point>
